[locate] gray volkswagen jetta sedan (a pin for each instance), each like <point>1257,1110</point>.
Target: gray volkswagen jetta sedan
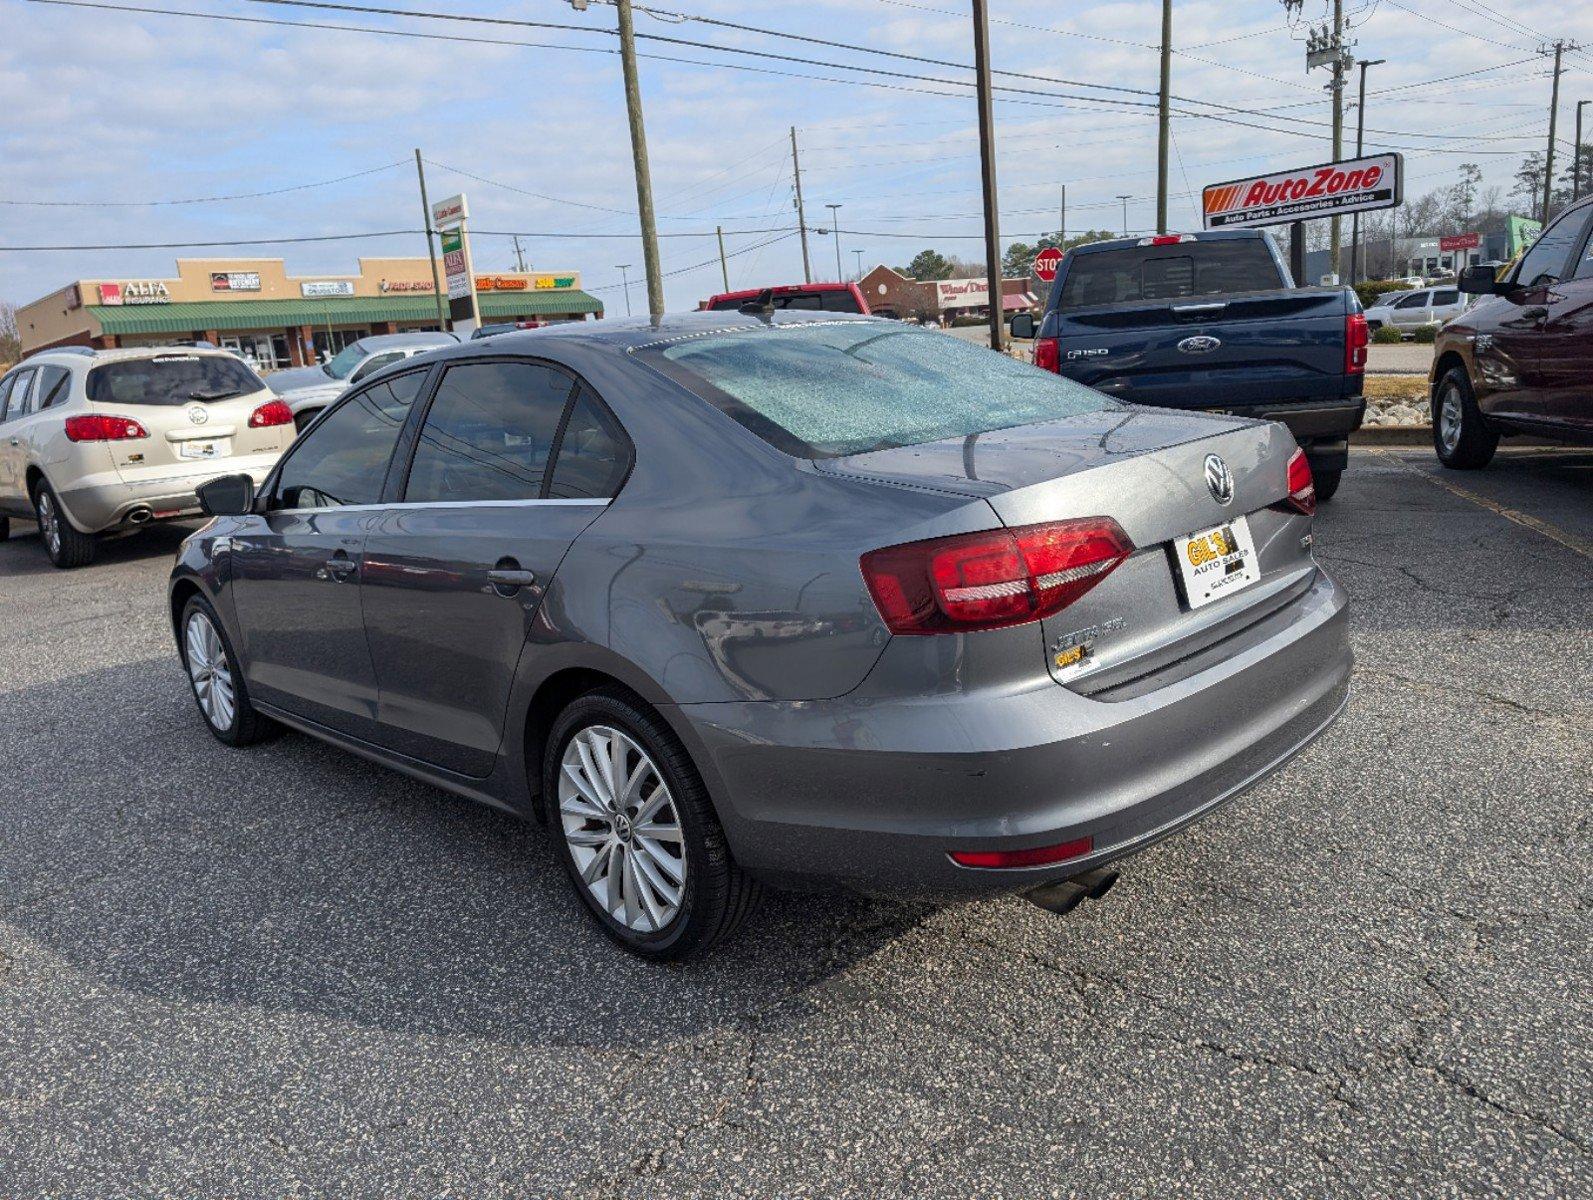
<point>734,599</point>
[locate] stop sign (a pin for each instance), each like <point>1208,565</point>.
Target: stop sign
<point>1046,262</point>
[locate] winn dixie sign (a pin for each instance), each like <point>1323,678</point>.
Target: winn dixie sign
<point>1327,190</point>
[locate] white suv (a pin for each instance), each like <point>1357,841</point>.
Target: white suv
<point>102,441</point>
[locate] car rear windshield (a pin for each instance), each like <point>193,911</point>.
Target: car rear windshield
<point>171,379</point>
<point>829,300</point>
<point>828,389</point>
<point>1169,272</point>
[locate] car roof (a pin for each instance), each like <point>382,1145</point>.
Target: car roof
<point>1199,235</point>
<point>784,289</point>
<point>65,355</point>
<point>396,341</point>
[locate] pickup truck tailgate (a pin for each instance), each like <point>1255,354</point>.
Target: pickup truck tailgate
<point>1211,352</point>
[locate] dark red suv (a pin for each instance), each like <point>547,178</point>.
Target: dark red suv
<point>815,297</point>
<point>1520,360</point>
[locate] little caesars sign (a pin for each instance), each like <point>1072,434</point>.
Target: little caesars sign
<point>1304,194</point>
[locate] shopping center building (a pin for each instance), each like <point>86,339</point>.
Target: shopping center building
<point>279,320</point>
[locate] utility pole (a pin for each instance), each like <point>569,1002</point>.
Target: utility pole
<point>1164,127</point>
<point>1560,47</point>
<point>519,258</point>
<point>724,269</point>
<point>1062,232</point>
<point>859,254</point>
<point>1360,134</point>
<point>802,219</point>
<point>431,248</point>
<point>622,268</point>
<point>1576,162</point>
<point>1334,231</point>
<point>1125,199</point>
<point>835,228</point>
<point>987,169</point>
<point>644,178</point>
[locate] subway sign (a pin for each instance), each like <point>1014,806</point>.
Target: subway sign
<point>1306,193</point>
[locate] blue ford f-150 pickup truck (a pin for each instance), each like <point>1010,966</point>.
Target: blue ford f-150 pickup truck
<point>1210,321</point>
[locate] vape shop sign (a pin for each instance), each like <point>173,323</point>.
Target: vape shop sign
<point>1306,193</point>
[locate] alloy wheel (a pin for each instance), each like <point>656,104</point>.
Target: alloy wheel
<point>49,521</point>
<point>210,672</point>
<point>1449,417</point>
<point>622,828</point>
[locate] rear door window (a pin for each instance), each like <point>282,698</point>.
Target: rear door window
<point>1135,273</point>
<point>1414,300</point>
<point>51,389</point>
<point>1447,296</point>
<point>172,380</point>
<point>490,433</point>
<point>344,459</point>
<point>16,401</point>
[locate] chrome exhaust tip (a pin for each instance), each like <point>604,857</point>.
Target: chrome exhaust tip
<point>140,516</point>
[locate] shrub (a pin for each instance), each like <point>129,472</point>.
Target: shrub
<point>1427,334</point>
<point>1386,335</point>
<point>1371,289</point>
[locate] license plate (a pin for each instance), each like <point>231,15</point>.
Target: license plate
<point>202,449</point>
<point>1217,562</point>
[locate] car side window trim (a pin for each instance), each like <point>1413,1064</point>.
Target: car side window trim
<point>577,386</point>
<point>268,489</point>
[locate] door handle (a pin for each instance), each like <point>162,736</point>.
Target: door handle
<point>511,577</point>
<point>337,568</point>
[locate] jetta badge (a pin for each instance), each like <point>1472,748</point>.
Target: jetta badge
<point>198,415</point>
<point>1201,343</point>
<point>1219,479</point>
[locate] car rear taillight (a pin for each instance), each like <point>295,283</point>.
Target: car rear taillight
<point>1038,856</point>
<point>1356,338</point>
<point>1302,488</point>
<point>272,412</point>
<point>993,579</point>
<point>97,427</point>
<point>1166,239</point>
<point>1048,354</point>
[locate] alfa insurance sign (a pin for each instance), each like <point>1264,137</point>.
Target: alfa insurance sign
<point>1306,193</point>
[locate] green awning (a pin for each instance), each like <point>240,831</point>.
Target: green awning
<point>195,316</point>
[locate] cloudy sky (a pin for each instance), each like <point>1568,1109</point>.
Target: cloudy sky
<point>107,110</point>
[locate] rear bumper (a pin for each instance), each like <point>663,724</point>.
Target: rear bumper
<point>1322,427</point>
<point>105,501</point>
<point>873,795</point>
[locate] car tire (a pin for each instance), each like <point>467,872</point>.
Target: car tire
<point>1326,482</point>
<point>1462,438</point>
<point>216,680</point>
<point>5,528</point>
<point>302,419</point>
<point>65,544</point>
<point>653,902</point>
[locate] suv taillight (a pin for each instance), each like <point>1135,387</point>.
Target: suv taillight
<point>1356,338</point>
<point>1302,488</point>
<point>272,412</point>
<point>96,427</point>
<point>1048,354</point>
<point>992,579</point>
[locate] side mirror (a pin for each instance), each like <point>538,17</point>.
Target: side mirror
<point>1022,325</point>
<point>1480,281</point>
<point>227,496</point>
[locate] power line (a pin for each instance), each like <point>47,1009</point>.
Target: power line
<point>272,241</point>
<point>297,187</point>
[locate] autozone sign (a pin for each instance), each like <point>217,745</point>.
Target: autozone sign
<point>1325,190</point>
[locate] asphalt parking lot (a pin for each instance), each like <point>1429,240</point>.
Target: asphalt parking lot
<point>284,972</point>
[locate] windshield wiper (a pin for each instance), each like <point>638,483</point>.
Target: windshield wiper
<point>221,395</point>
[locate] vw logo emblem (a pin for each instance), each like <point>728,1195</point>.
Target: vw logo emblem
<point>1219,479</point>
<point>1201,343</point>
<point>198,415</point>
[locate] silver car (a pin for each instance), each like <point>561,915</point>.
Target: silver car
<point>307,390</point>
<point>103,441</point>
<point>1410,310</point>
<point>729,600</point>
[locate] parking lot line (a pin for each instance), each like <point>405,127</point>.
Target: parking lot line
<point>1555,534</point>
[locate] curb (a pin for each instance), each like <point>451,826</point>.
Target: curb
<point>1392,435</point>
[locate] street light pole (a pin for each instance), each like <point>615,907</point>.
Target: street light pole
<point>987,168</point>
<point>1360,135</point>
<point>859,254</point>
<point>835,228</point>
<point>622,268</point>
<point>1125,200</point>
<point>1164,126</point>
<point>644,178</point>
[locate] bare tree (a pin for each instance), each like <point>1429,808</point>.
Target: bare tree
<point>10,339</point>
